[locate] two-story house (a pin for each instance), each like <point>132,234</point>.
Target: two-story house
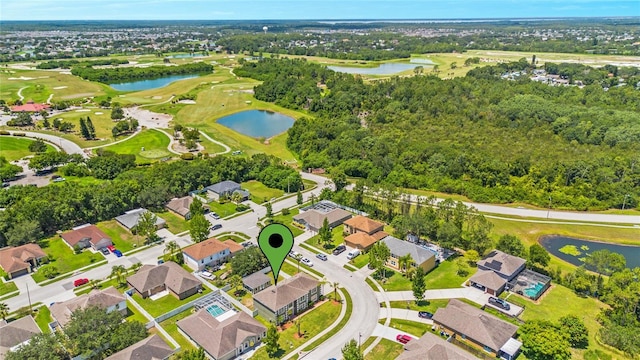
<point>362,232</point>
<point>210,252</point>
<point>289,298</point>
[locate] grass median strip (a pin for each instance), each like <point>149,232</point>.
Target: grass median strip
<point>338,327</point>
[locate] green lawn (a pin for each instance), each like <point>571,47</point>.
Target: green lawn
<point>122,239</point>
<point>291,268</point>
<point>7,287</point>
<point>424,305</point>
<point>223,210</point>
<point>339,326</point>
<point>360,261</point>
<point>154,142</point>
<point>43,318</point>
<point>411,327</point>
<point>386,349</point>
<point>260,192</point>
<point>312,323</point>
<point>445,276</point>
<point>165,303</point>
<point>175,223</point>
<point>336,235</point>
<point>103,285</point>
<point>287,220</point>
<point>15,148</point>
<point>395,281</point>
<point>64,259</point>
<point>134,315</point>
<point>169,325</point>
<point>231,237</point>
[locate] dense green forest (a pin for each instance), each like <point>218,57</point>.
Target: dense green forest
<point>67,64</point>
<point>490,139</point>
<point>33,213</point>
<point>134,73</point>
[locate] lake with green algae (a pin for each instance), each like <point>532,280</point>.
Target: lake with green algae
<point>574,250</point>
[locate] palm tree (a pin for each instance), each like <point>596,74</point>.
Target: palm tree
<point>298,258</point>
<point>95,283</point>
<point>171,248</point>
<point>118,272</point>
<point>297,322</point>
<point>335,290</point>
<point>236,197</point>
<point>4,311</point>
<point>405,262</point>
<point>135,267</point>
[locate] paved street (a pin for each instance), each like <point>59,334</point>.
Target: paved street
<point>69,146</point>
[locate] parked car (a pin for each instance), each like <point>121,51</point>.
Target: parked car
<point>5,184</point>
<point>80,282</point>
<point>104,251</point>
<point>307,262</point>
<point>214,215</point>
<point>111,248</point>
<point>322,257</point>
<point>425,314</point>
<point>499,303</point>
<point>216,227</point>
<point>160,262</point>
<point>293,254</point>
<point>403,338</point>
<point>353,254</point>
<point>118,253</point>
<point>60,179</point>
<point>339,250</point>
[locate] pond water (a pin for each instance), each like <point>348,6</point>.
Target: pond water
<point>382,69</point>
<point>257,123</point>
<point>553,244</point>
<point>187,55</point>
<point>140,85</point>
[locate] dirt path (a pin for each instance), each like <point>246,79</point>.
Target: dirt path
<point>49,99</point>
<point>226,148</point>
<point>20,93</point>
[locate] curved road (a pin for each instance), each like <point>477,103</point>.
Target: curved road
<point>68,146</point>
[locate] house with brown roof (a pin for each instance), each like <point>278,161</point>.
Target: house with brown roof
<point>488,281</point>
<point>20,260</point>
<point>503,264</point>
<point>432,347</point>
<point>152,279</point>
<point>151,348</point>
<point>16,333</point>
<point>292,296</point>
<point>85,236</point>
<point>478,329</point>
<point>256,282</point>
<point>313,219</point>
<point>363,232</point>
<point>226,339</point>
<point>109,299</point>
<point>210,252</point>
<point>182,206</point>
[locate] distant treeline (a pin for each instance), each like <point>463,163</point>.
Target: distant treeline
<point>135,73</point>
<point>67,64</point>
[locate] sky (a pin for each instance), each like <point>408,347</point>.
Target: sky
<point>308,9</point>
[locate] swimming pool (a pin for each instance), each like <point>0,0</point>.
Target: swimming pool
<point>533,290</point>
<point>215,310</point>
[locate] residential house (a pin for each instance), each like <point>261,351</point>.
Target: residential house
<point>256,282</point>
<point>292,296</point>
<point>432,347</point>
<point>20,260</point>
<point>131,218</point>
<point>181,206</point>
<point>225,339</point>
<point>488,281</point>
<point>477,328</point>
<point>152,279</point>
<point>16,333</point>
<point>503,264</point>
<point>85,236</point>
<point>109,299</point>
<point>226,189</point>
<point>363,232</point>
<point>313,219</point>
<point>151,348</point>
<point>422,257</point>
<point>210,252</point>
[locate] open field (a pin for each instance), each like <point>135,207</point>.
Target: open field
<point>148,146</point>
<point>260,192</point>
<point>122,239</point>
<point>101,119</point>
<point>386,349</point>
<point>15,148</point>
<point>64,258</point>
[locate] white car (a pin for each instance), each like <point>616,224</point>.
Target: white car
<point>307,262</point>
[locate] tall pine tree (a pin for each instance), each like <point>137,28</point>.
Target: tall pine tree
<point>83,129</point>
<point>91,129</point>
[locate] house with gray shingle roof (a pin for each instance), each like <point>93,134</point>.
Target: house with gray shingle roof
<point>488,281</point>
<point>226,339</point>
<point>151,348</point>
<point>289,298</point>
<point>16,333</point>
<point>109,299</point>
<point>432,347</point>
<point>478,329</point>
<point>256,282</point>
<point>503,264</point>
<point>131,218</point>
<point>225,188</point>
<point>152,279</point>
<point>422,257</point>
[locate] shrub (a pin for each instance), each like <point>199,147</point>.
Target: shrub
<point>285,211</point>
<point>187,156</point>
<point>19,134</point>
<point>4,132</point>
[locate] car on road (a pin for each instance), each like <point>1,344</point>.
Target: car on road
<point>339,249</point>
<point>118,253</point>
<point>216,227</point>
<point>104,251</point>
<point>60,179</point>
<point>307,262</point>
<point>214,215</point>
<point>111,248</point>
<point>293,254</point>
<point>499,303</point>
<point>80,282</point>
<point>322,257</point>
<point>5,184</point>
<point>425,314</point>
<point>403,338</point>
<point>247,244</point>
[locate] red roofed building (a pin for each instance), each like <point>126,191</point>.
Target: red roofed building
<point>87,235</point>
<point>30,106</point>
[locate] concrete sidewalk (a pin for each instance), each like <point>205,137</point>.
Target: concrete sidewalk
<point>404,314</point>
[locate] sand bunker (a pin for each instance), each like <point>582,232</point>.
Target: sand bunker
<point>190,102</point>
<point>60,87</point>
<point>83,110</point>
<point>157,97</point>
<point>148,118</point>
<point>99,113</point>
<point>21,78</point>
<point>65,72</point>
